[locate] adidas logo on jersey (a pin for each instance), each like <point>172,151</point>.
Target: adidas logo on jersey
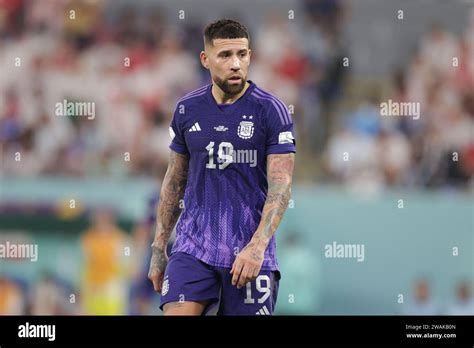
<point>195,128</point>
<point>263,311</point>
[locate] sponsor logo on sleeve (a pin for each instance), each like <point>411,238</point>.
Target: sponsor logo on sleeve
<point>285,138</point>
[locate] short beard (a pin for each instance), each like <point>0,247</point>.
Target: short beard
<point>230,90</point>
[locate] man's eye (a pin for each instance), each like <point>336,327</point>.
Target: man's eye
<point>243,54</point>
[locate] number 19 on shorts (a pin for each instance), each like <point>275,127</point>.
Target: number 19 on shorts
<point>261,291</point>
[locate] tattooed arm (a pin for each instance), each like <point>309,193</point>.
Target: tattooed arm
<point>172,190</point>
<point>248,262</point>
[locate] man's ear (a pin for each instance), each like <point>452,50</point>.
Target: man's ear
<point>204,60</point>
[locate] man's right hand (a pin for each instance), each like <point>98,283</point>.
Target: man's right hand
<point>158,263</point>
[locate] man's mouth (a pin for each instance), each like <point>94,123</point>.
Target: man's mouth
<point>235,79</point>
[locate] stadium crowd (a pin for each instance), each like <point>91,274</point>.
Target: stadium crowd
<point>135,66</point>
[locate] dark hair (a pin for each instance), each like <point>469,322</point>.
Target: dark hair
<point>225,29</point>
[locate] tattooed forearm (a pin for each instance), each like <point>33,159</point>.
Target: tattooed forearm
<point>172,190</point>
<point>158,259</point>
<point>280,172</point>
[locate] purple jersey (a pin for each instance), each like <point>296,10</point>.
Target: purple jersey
<point>227,181</point>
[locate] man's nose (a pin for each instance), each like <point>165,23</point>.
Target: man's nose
<point>235,65</point>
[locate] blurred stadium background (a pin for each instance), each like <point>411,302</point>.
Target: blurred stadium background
<point>84,191</point>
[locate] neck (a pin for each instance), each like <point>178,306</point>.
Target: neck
<point>222,98</point>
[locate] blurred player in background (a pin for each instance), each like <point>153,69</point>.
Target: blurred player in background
<point>103,245</point>
<point>11,297</point>
<point>232,160</point>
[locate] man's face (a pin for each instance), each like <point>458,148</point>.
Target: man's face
<point>228,61</point>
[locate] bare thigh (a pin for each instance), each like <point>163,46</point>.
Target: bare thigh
<point>184,308</point>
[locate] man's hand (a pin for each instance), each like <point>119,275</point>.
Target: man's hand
<point>158,263</point>
<point>248,263</point>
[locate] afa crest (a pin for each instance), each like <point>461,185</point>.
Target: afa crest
<point>165,286</point>
<point>245,129</point>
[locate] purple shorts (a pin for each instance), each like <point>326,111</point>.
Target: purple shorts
<point>189,279</point>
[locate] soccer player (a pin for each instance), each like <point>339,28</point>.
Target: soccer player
<point>232,160</point>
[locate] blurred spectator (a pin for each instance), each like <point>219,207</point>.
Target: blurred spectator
<point>464,303</point>
<point>438,49</point>
<point>50,296</point>
<point>421,303</point>
<point>353,155</point>
<point>11,13</point>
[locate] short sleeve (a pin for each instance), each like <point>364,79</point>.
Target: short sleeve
<point>178,143</point>
<point>280,133</point>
